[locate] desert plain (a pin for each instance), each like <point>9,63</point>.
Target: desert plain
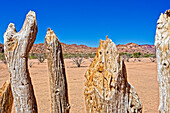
<point>141,75</point>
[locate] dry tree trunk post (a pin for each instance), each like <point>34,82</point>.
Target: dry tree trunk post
<point>17,47</point>
<point>58,82</point>
<point>162,43</point>
<point>106,88</point>
<point>6,98</point>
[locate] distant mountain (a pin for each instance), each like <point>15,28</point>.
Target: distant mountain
<point>40,48</point>
<point>134,48</point>
<point>73,48</point>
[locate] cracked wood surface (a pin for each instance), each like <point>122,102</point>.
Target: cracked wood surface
<point>162,43</point>
<point>6,98</point>
<point>57,75</point>
<point>17,47</point>
<point>106,88</point>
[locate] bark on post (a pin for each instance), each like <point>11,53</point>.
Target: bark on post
<point>106,88</point>
<point>162,43</point>
<point>17,47</point>
<point>56,68</point>
<point>6,98</point>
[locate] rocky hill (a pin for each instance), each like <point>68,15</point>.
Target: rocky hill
<point>40,48</point>
<point>134,48</point>
<point>127,48</point>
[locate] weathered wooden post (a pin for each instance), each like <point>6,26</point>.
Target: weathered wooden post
<point>162,43</point>
<point>106,88</point>
<point>17,47</point>
<point>6,98</point>
<point>56,68</point>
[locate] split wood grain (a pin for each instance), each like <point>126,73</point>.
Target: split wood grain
<point>6,98</point>
<point>106,88</point>
<point>162,43</point>
<point>57,75</point>
<point>17,47</point>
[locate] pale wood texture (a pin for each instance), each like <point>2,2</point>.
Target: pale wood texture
<point>17,47</point>
<point>107,89</point>
<point>6,98</point>
<point>57,75</point>
<point>162,43</point>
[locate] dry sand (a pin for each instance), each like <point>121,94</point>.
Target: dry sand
<point>142,75</point>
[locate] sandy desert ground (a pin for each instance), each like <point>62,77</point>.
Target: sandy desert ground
<point>142,75</point>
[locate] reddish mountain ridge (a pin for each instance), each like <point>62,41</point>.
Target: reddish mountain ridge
<point>134,48</point>
<point>73,48</point>
<point>40,48</point>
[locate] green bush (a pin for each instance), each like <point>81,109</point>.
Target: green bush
<point>40,56</point>
<point>147,55</point>
<point>136,55</point>
<point>123,53</point>
<point>33,56</point>
<point>84,55</point>
<point>67,55</point>
<point>129,55</point>
<point>92,55</point>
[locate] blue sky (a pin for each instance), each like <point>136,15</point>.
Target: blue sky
<point>87,21</point>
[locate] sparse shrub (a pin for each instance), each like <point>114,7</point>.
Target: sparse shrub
<point>127,60</point>
<point>31,63</point>
<point>32,56</point>
<point>84,55</point>
<point>89,55</point>
<point>41,57</point>
<point>67,55</point>
<point>152,59</point>
<point>134,60</point>
<point>123,54</point>
<point>126,54</point>
<point>77,59</point>
<point>147,55</point>
<point>136,55</point>
<point>139,60</point>
<point>92,55</point>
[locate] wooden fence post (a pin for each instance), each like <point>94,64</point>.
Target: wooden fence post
<point>162,43</point>
<point>56,68</point>
<point>106,88</point>
<point>6,98</point>
<point>17,47</point>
